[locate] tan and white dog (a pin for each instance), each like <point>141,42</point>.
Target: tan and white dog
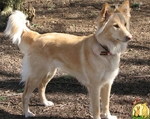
<point>93,60</point>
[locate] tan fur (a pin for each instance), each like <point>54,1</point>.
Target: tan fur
<point>80,56</point>
<point>27,38</point>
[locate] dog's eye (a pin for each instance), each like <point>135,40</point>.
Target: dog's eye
<point>116,25</point>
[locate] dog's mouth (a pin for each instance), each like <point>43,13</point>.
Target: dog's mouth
<point>125,40</point>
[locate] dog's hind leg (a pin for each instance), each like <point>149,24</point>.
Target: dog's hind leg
<point>30,85</point>
<point>42,88</point>
<point>94,93</point>
<point>105,98</point>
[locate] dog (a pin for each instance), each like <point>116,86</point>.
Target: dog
<point>93,59</point>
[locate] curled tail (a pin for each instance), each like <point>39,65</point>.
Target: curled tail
<point>17,30</point>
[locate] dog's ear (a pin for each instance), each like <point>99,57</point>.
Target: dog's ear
<point>106,12</point>
<point>125,9</point>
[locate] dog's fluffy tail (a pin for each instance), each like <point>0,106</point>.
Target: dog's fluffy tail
<point>15,26</point>
<point>17,30</point>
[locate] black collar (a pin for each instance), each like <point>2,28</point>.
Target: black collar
<point>106,50</point>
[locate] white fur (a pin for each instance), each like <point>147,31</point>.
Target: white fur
<point>115,48</point>
<point>25,69</point>
<point>15,26</point>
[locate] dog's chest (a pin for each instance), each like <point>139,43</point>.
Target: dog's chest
<point>110,62</point>
<point>111,68</point>
<point>113,62</point>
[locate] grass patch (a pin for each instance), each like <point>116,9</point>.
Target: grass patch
<point>2,98</point>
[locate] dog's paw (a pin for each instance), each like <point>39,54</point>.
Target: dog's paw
<point>48,103</point>
<point>29,114</point>
<point>112,117</point>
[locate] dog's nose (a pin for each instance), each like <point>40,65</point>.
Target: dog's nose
<point>129,37</point>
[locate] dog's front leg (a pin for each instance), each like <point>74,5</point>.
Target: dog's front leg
<point>105,98</point>
<point>94,94</point>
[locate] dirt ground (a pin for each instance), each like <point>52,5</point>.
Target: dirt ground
<point>70,98</point>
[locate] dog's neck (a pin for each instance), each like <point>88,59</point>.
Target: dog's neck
<point>110,48</point>
<point>106,50</point>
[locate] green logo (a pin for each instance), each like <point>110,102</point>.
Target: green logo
<point>140,110</point>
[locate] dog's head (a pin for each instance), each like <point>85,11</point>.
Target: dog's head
<point>113,24</point>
